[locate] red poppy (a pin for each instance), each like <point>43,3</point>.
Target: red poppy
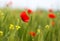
<point>29,11</point>
<point>50,10</point>
<point>51,15</point>
<point>24,16</point>
<point>53,23</point>
<point>33,34</point>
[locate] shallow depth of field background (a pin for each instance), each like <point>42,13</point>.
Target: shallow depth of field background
<point>37,27</point>
<point>33,4</point>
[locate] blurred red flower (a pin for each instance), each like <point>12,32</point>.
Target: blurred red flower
<point>29,11</point>
<point>50,10</point>
<point>53,23</point>
<point>24,16</point>
<point>51,15</point>
<point>33,34</point>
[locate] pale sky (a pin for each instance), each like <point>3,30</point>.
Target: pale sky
<point>33,4</point>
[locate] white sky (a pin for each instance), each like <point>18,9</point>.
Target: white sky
<point>33,4</point>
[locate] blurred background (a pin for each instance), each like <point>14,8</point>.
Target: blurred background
<point>32,4</point>
<point>29,20</point>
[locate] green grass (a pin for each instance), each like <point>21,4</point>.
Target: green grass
<point>37,21</point>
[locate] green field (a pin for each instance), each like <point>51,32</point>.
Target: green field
<point>13,28</point>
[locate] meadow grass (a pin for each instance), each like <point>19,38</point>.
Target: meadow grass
<point>39,23</point>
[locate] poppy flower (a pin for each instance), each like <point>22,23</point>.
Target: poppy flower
<point>51,15</point>
<point>53,23</point>
<point>50,10</point>
<point>33,34</point>
<point>29,11</point>
<point>24,16</point>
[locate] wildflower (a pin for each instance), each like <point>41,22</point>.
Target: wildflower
<point>29,11</point>
<point>53,23</point>
<point>50,10</point>
<point>51,15</point>
<point>38,30</point>
<point>47,26</point>
<point>24,17</point>
<point>11,27</point>
<point>18,27</point>
<point>1,33</point>
<point>33,34</point>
